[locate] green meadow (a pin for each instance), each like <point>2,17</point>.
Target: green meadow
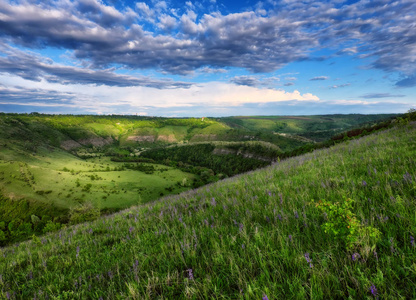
<point>335,223</point>
<point>65,180</point>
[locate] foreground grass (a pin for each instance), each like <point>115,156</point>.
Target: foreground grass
<point>249,236</point>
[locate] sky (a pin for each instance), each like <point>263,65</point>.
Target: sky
<point>178,58</point>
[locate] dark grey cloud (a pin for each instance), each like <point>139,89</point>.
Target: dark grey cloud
<point>319,78</point>
<point>269,82</point>
<point>41,97</point>
<point>245,80</point>
<point>35,68</point>
<point>407,82</point>
<point>382,31</point>
<point>380,95</point>
<point>289,84</point>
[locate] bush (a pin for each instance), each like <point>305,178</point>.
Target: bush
<point>343,225</point>
<point>51,226</point>
<point>83,213</point>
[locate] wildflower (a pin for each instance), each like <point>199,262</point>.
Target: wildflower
<point>308,260</point>
<point>77,251</point>
<point>373,290</point>
<point>407,177</point>
<point>190,274</point>
<point>243,246</point>
<point>268,219</point>
<point>241,226</point>
<point>110,275</point>
<point>290,237</point>
<point>130,229</point>
<point>296,215</point>
<point>280,217</point>
<point>364,183</point>
<point>412,241</point>
<point>213,202</point>
<point>355,256</point>
<point>265,297</point>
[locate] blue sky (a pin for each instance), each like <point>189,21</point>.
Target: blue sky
<point>207,58</point>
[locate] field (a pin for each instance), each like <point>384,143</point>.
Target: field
<point>336,223</point>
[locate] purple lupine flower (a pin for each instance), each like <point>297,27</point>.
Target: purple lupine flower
<point>90,231</point>
<point>364,183</point>
<point>407,177</point>
<point>296,215</point>
<point>265,297</point>
<point>213,202</point>
<point>243,246</point>
<point>267,219</point>
<point>280,217</point>
<point>373,290</point>
<point>130,229</point>
<point>241,226</point>
<point>77,251</point>
<point>290,237</point>
<point>412,241</point>
<point>355,256</point>
<point>190,274</point>
<point>308,260</point>
<point>8,295</point>
<point>281,198</point>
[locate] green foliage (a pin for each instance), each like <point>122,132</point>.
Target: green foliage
<point>343,225</point>
<point>35,219</point>
<point>83,213</point>
<point>189,158</point>
<point>2,237</point>
<point>51,226</point>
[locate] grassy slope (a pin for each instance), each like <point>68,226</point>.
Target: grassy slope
<point>317,128</point>
<point>242,238</point>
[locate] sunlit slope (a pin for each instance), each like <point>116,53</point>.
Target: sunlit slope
<point>73,132</point>
<point>245,237</point>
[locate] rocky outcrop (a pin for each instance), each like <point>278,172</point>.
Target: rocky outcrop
<point>97,141</point>
<point>141,138</point>
<point>204,137</point>
<point>70,144</point>
<point>167,138</point>
<point>94,141</point>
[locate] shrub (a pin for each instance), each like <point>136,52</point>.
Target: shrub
<point>343,225</point>
<point>83,213</point>
<point>51,226</point>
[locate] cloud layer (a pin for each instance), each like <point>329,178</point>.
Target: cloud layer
<point>180,40</point>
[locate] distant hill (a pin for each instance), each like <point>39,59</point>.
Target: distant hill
<point>335,223</point>
<point>316,128</point>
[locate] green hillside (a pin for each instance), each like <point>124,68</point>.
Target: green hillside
<point>336,223</point>
<point>314,128</point>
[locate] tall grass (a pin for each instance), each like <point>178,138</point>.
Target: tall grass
<point>253,236</point>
